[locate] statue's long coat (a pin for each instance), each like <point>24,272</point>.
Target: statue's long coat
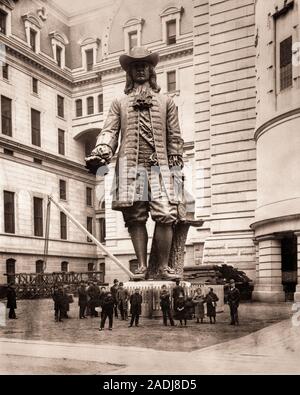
<point>123,118</point>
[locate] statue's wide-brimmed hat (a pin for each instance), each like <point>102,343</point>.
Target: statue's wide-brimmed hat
<point>139,54</point>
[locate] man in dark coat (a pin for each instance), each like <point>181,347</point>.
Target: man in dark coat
<point>211,300</point>
<point>114,291</point>
<point>11,301</point>
<point>82,300</point>
<point>94,294</point>
<point>165,303</point>
<point>56,297</point>
<point>107,311</point>
<point>233,300</point>
<point>136,307</point>
<point>122,301</point>
<point>177,291</point>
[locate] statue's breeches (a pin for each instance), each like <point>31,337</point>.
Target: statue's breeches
<point>161,211</point>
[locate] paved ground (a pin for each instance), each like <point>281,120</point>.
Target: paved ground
<point>35,344</point>
<point>36,322</point>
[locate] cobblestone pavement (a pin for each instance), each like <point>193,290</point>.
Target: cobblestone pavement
<point>36,322</point>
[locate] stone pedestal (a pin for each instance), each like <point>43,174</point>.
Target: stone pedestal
<point>150,291</point>
<point>268,286</point>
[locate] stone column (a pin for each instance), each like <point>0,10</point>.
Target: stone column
<point>297,293</point>
<point>269,285</point>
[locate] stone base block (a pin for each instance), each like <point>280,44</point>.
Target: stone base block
<point>297,294</point>
<point>268,296</point>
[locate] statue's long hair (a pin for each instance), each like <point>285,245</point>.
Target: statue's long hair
<point>152,81</point>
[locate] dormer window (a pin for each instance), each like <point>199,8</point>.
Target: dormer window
<point>59,42</point>
<point>133,33</point>
<point>6,7</point>
<point>89,50</point>
<point>32,28</point>
<point>133,40</point>
<point>3,22</point>
<point>33,35</point>
<point>89,59</point>
<point>171,18</point>
<point>171,32</point>
<point>59,55</point>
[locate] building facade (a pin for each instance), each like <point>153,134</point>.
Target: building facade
<point>223,62</point>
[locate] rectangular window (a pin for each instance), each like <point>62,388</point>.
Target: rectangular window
<point>35,85</point>
<point>89,196</point>
<point>62,190</point>
<point>60,106</point>
<point>32,37</point>
<point>171,81</point>
<point>63,226</point>
<point>100,103</point>
<point>3,18</point>
<point>102,229</point>
<point>133,40</point>
<point>9,212</point>
<point>79,108</point>
<point>5,71</point>
<point>6,116</point>
<point>90,105</point>
<point>59,56</point>
<point>38,216</point>
<point>171,32</point>
<point>89,226</point>
<point>89,59</point>
<point>286,67</point>
<point>35,127</point>
<point>61,142</point>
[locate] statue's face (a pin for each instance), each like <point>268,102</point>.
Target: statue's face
<point>140,72</point>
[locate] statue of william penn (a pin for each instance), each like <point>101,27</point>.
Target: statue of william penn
<point>150,146</point>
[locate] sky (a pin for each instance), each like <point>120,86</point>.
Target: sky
<point>71,6</point>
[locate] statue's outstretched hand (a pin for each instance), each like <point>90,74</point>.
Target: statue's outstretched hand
<point>100,156</point>
<point>176,161</point>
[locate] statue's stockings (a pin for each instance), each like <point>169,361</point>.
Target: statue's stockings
<point>163,237</point>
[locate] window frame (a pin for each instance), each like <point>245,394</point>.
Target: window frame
<point>78,110</point>
<point>5,18</point>
<point>88,105</point>
<point>60,102</point>
<point>169,73</point>
<point>9,215</point>
<point>63,190</point>
<point>5,117</point>
<point>63,226</point>
<point>61,143</point>
<point>35,131</point>
<point>38,217</point>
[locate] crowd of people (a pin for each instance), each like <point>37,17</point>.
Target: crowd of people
<point>114,302</point>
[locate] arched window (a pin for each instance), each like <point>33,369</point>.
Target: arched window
<point>65,267</point>
<point>78,108</point>
<point>91,267</point>
<point>39,267</point>
<point>90,105</point>
<point>11,270</point>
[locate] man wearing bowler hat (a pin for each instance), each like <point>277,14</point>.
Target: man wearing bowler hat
<point>150,148</point>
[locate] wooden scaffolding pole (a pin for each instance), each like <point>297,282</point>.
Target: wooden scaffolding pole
<point>90,236</point>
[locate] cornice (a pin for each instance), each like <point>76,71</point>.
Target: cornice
<point>44,156</point>
<point>20,51</point>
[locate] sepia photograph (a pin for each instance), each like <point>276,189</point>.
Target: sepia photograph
<point>149,190</point>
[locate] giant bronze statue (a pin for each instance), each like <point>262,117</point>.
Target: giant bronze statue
<point>148,175</point>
